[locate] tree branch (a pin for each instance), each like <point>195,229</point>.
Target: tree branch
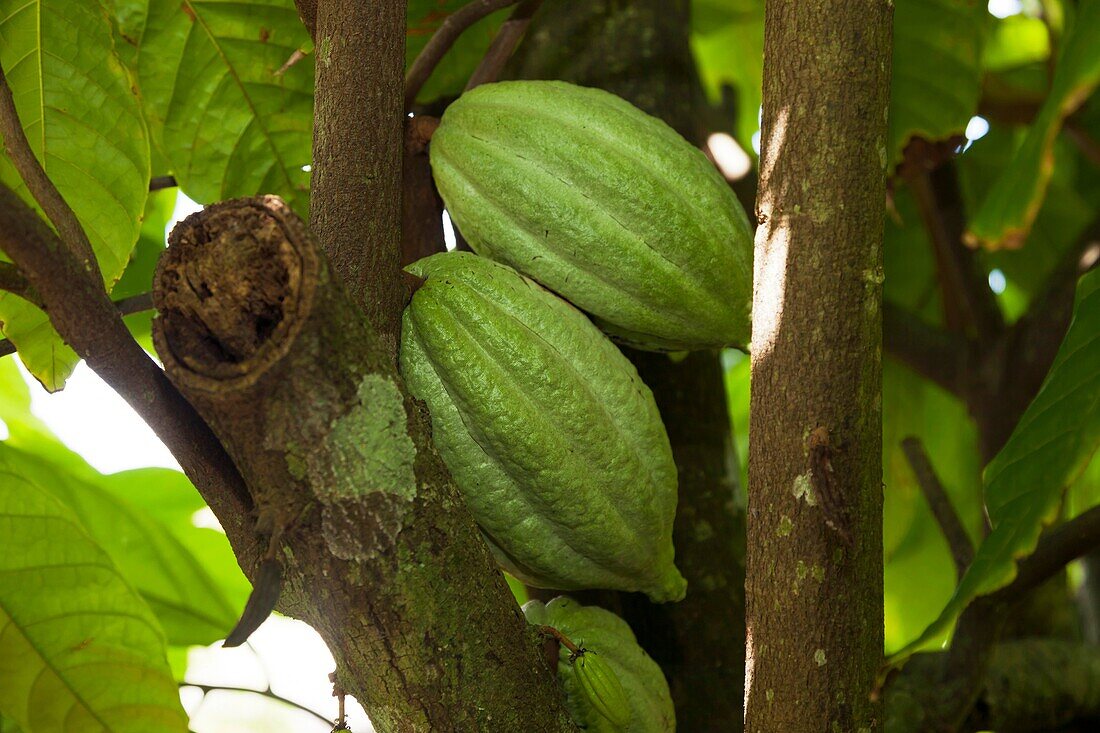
<point>41,187</point>
<point>962,549</point>
<point>504,44</point>
<point>969,304</point>
<point>931,352</point>
<point>13,281</point>
<point>442,40</point>
<point>268,693</point>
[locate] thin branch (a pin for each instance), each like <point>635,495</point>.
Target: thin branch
<point>39,184</point>
<point>931,352</point>
<point>125,307</point>
<point>962,549</point>
<point>262,693</point>
<point>504,45</point>
<point>442,40</point>
<point>969,304</point>
<point>159,182</point>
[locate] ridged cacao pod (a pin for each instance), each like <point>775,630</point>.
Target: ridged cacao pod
<point>601,689</point>
<point>611,640</point>
<point>547,429</point>
<point>602,203</point>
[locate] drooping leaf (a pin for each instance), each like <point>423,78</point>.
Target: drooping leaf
<point>79,109</point>
<point>1008,212</point>
<point>79,649</point>
<point>1048,450</point>
<point>188,602</point>
<point>1062,217</point>
<point>727,40</point>
<point>936,70</point>
<point>227,115</point>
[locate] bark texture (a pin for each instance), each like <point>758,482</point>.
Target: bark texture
<point>358,139</point>
<point>814,584</point>
<point>640,50</point>
<point>377,549</point>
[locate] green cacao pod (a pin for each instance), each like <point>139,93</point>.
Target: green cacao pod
<point>610,639</point>
<point>602,203</point>
<point>546,427</point>
<point>601,689</point>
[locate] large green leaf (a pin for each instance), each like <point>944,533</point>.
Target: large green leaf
<point>1051,446</point>
<point>83,120</point>
<point>1007,213</point>
<point>79,650</point>
<point>142,518</point>
<point>188,602</point>
<point>937,69</point>
<point>229,118</point>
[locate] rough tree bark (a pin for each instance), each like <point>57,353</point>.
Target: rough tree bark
<point>378,553</point>
<point>815,509</point>
<point>639,49</point>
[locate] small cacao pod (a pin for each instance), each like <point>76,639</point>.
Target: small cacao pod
<point>553,439</point>
<point>602,203</point>
<point>601,689</point>
<point>607,638</point>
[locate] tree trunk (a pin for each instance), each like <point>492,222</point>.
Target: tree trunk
<point>640,50</point>
<point>815,507</point>
<point>377,551</point>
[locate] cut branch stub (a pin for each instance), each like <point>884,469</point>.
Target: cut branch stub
<point>378,551</point>
<point>251,323</point>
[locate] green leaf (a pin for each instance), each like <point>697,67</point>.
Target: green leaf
<point>1008,212</point>
<point>937,70</point>
<point>1051,446</point>
<point>81,651</point>
<point>727,39</point>
<point>190,604</point>
<point>78,107</point>
<point>230,120</point>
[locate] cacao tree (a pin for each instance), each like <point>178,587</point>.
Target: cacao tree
<point>550,482</point>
